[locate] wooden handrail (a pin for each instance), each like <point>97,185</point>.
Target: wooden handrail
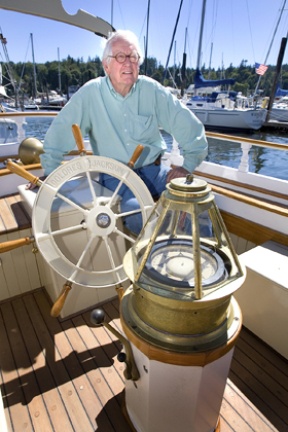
<point>216,178</point>
<point>256,202</point>
<point>28,114</point>
<point>264,205</point>
<point>6,171</point>
<point>258,143</point>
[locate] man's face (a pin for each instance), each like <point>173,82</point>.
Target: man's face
<point>122,75</point>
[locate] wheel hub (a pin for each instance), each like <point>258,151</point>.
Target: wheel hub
<point>101,221</point>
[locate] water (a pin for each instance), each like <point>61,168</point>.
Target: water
<point>37,127</point>
<point>265,161</point>
<point>273,163</point>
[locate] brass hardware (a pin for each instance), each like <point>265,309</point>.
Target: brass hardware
<point>97,318</point>
<point>30,150</point>
<point>184,271</point>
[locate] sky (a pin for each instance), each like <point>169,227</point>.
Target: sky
<point>234,30</point>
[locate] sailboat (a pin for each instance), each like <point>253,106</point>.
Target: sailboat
<point>222,110</point>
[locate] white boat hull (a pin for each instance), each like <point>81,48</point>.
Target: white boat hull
<point>279,114</point>
<point>224,118</point>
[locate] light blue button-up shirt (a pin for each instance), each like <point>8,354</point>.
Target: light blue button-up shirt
<point>116,124</point>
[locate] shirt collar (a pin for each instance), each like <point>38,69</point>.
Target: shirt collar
<point>117,95</point>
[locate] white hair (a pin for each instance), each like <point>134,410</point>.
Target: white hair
<point>126,35</point>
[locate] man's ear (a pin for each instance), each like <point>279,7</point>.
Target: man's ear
<point>105,66</point>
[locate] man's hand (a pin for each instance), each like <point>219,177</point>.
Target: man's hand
<point>32,186</point>
<point>176,172</point>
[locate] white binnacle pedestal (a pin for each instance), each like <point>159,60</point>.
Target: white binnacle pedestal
<point>182,389</point>
<point>169,398</point>
<point>179,314</point>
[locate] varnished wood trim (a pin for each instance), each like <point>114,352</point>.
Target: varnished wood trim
<point>126,415</point>
<point>251,231</point>
<point>180,359</point>
<point>258,143</point>
<point>6,171</point>
<point>218,428</point>
<point>29,114</point>
<point>238,184</point>
<point>255,202</point>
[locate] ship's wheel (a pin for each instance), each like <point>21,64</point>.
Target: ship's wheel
<point>77,223</point>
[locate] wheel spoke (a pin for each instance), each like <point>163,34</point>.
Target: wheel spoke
<point>124,235</point>
<point>115,193</point>
<point>65,199</point>
<point>71,203</point>
<point>91,187</point>
<point>66,230</point>
<point>111,259</point>
<point>128,213</point>
<point>132,212</point>
<point>109,252</point>
<point>82,256</point>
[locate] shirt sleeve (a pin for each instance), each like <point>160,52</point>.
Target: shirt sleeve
<point>59,139</point>
<point>175,118</point>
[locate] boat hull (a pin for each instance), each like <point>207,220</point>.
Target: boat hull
<point>279,114</point>
<point>229,119</point>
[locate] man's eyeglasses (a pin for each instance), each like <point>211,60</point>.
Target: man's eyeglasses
<point>121,57</point>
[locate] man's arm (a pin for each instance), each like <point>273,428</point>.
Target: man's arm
<point>185,127</point>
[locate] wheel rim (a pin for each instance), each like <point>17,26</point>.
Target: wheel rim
<point>77,223</point>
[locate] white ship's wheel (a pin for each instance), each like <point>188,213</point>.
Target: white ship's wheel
<point>77,223</point>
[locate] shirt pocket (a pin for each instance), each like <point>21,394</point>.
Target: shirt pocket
<point>144,129</point>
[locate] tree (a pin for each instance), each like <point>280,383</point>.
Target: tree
<point>77,72</point>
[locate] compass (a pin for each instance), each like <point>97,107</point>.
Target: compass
<point>172,263</point>
<point>182,279</point>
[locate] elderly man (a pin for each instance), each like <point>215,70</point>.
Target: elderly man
<point>120,111</point>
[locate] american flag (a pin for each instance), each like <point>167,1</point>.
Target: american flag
<point>260,68</point>
<point>2,39</point>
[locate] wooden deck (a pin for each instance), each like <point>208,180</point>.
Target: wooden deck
<point>65,376</point>
<point>13,216</point>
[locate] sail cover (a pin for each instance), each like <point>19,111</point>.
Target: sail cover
<point>280,92</point>
<point>200,81</point>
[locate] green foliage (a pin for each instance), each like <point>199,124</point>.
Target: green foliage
<point>77,72</point>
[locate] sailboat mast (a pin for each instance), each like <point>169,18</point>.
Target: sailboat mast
<point>271,43</point>
<point>198,65</point>
<point>112,11</point>
<point>172,41</point>
<point>9,69</point>
<point>34,69</point>
<point>146,44</point>
<point>277,73</point>
<point>210,60</point>
<point>183,68</point>
<point>59,72</point>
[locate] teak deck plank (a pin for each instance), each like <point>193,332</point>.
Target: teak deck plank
<point>236,416</point>
<point>13,217</point>
<point>64,375</point>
